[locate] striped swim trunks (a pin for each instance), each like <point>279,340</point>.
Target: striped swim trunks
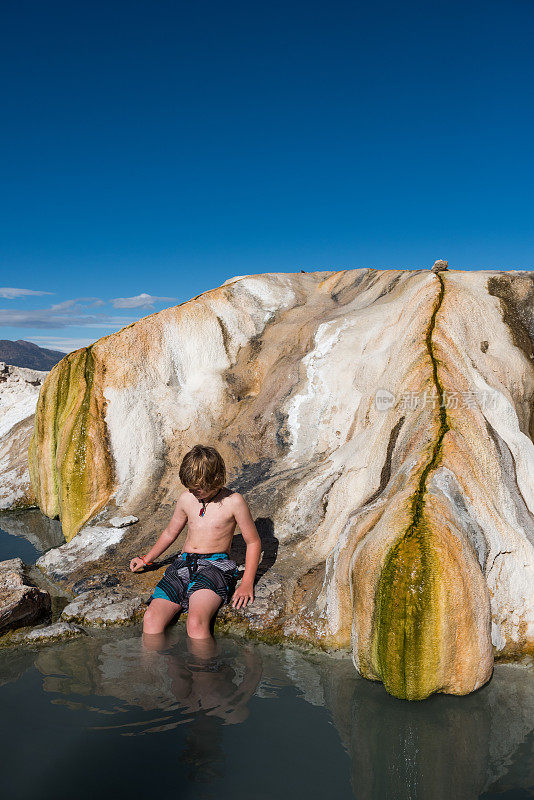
<point>192,571</point>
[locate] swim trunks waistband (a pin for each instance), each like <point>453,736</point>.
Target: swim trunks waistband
<point>205,555</point>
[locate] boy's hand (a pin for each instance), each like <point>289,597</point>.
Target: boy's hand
<point>242,595</point>
<point>137,564</point>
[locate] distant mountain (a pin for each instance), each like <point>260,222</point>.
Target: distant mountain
<point>28,354</point>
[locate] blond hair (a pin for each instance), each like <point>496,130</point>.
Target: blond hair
<point>203,468</point>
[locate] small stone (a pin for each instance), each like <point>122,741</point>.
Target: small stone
<point>122,522</point>
<point>89,600</point>
<point>103,580</point>
<point>263,605</point>
<point>12,564</point>
<point>440,266</point>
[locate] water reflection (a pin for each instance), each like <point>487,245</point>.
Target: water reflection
<point>27,533</point>
<point>442,748</point>
<point>459,747</point>
<point>190,677</point>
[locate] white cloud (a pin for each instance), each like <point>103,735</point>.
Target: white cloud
<point>143,300</point>
<point>75,312</point>
<point>78,302</point>
<point>59,318</point>
<point>9,293</point>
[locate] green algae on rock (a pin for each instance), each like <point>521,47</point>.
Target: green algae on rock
<point>69,461</point>
<point>407,612</point>
<point>410,642</point>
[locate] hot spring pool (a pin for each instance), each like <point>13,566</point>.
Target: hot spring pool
<point>114,715</point>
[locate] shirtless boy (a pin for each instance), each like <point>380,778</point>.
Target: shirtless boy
<point>202,577</point>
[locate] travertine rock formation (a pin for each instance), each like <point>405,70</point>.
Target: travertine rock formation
<point>380,424</point>
<point>19,390</point>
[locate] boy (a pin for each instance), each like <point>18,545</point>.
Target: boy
<point>202,576</point>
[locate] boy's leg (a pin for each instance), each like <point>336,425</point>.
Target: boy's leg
<point>203,603</point>
<point>158,614</point>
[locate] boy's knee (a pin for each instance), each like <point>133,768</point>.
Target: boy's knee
<point>197,624</point>
<point>151,623</point>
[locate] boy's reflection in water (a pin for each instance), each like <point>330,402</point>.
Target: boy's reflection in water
<point>202,681</point>
<point>204,686</point>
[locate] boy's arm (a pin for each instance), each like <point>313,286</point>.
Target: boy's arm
<point>243,517</point>
<point>176,525</point>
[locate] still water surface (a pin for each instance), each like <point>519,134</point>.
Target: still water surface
<point>113,715</point>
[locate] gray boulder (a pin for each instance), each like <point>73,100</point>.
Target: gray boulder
<point>21,603</point>
<point>104,607</point>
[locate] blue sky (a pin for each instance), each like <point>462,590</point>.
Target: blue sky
<point>152,150</point>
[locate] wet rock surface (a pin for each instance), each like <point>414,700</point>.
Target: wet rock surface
<point>49,633</point>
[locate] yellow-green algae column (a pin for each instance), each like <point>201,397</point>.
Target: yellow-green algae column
<point>69,461</point>
<point>408,626</point>
<point>431,623</point>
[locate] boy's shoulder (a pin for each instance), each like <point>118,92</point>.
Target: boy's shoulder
<point>228,494</point>
<point>238,503</point>
<point>236,496</point>
<point>232,497</point>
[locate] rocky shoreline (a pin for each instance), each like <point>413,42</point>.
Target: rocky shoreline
<point>99,602</point>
